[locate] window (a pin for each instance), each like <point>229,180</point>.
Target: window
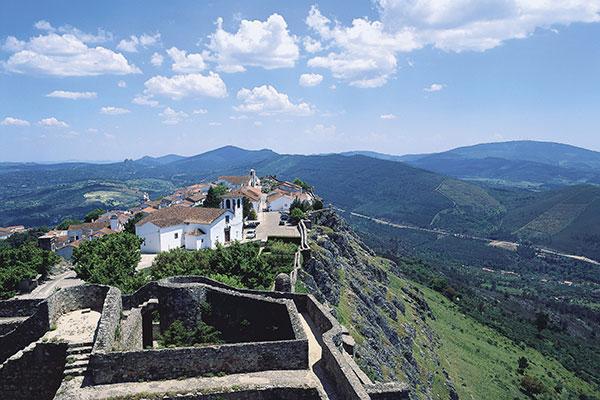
<point>238,203</point>
<point>227,219</point>
<point>227,204</point>
<point>177,235</point>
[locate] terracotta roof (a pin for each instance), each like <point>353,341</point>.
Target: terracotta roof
<point>196,197</point>
<point>235,180</point>
<point>149,210</point>
<point>178,215</point>
<point>276,194</point>
<point>95,226</point>
<point>252,193</point>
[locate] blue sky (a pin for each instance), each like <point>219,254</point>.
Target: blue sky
<point>112,79</point>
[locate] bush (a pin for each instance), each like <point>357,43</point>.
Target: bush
<point>532,385</point>
<point>22,262</point>
<point>317,205</point>
<point>177,335</point>
<point>93,215</point>
<point>296,215</point>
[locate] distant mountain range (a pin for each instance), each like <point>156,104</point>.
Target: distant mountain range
<point>564,216</point>
<point>517,163</point>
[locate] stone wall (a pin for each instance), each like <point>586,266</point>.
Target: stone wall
<point>148,365</point>
<point>75,298</point>
<point>267,394</point>
<point>18,308</point>
<point>129,335</point>
<point>25,333</point>
<point>143,294</point>
<point>104,338</point>
<point>36,374</point>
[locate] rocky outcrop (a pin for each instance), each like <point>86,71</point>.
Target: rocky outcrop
<point>385,313</point>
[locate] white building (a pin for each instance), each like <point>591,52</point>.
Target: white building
<point>280,200</point>
<point>235,182</point>
<point>191,228</point>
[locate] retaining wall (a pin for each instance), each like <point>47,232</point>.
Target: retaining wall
<point>36,374</point>
<point>130,333</point>
<point>19,308</point>
<point>75,298</point>
<point>25,333</point>
<point>105,335</point>
<point>150,365</point>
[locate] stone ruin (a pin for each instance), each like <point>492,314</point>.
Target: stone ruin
<point>92,342</point>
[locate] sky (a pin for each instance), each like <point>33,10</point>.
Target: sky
<point>115,79</point>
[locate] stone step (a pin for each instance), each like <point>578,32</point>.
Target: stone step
<point>79,350</point>
<point>78,357</point>
<point>74,372</point>
<point>80,344</point>
<point>76,364</point>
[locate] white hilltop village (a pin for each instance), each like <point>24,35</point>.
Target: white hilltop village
<point>180,220</point>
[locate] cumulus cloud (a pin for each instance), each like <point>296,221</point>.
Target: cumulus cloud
<point>267,44</point>
<point>172,117</point>
<point>64,54</point>
<point>143,100</point>
<point>190,85</point>
<point>110,110</point>
<point>311,45</point>
<point>99,37</point>
<point>310,79</point>
<point>434,87</point>
<point>365,53</point>
<point>266,100</point>
<point>63,94</point>
<point>323,131</point>
<point>122,84</point>
<point>214,123</point>
<point>200,111</point>
<point>156,59</point>
<point>52,122</point>
<point>11,121</point>
<point>388,116</point>
<point>145,40</point>
<point>184,62</point>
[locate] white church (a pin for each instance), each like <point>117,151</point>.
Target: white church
<point>192,228</point>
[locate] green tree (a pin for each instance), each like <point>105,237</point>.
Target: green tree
<point>297,214</point>
<point>93,215</point>
<point>130,224</point>
<point>302,184</point>
<point>110,260</point>
<point>523,364</point>
<point>177,335</point>
<point>317,204</point>
<point>24,261</point>
<point>532,385</point>
<point>541,321</point>
<point>246,207</point>
<point>213,197</point>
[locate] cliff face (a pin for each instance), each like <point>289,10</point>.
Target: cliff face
<point>386,314</point>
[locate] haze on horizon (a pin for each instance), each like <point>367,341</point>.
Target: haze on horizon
<point>115,80</point>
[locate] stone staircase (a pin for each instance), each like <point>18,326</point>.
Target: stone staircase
<point>78,358</point>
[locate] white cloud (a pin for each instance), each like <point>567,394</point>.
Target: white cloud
<point>365,53</point>
<point>66,54</point>
<point>143,100</point>
<point>214,123</point>
<point>310,79</point>
<point>157,59</point>
<point>388,116</point>
<point>460,25</point>
<point>101,36</point>
<point>10,121</point>
<point>190,85</point>
<point>267,100</point>
<point>122,84</point>
<point>258,123</point>
<point>200,111</point>
<point>172,117</point>
<point>311,45</point>
<point>52,122</point>
<point>110,110</point>
<point>265,44</point>
<point>434,87</point>
<point>238,117</point>
<point>186,63</point>
<point>63,94</point>
<point>131,45</point>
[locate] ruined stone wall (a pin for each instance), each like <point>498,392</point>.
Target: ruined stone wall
<point>143,294</point>
<point>75,298</point>
<point>36,374</point>
<point>148,365</point>
<point>181,303</point>
<point>104,338</point>
<point>18,308</point>
<point>268,394</point>
<point>129,335</point>
<point>25,333</point>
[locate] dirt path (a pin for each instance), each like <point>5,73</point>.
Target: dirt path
<point>66,279</point>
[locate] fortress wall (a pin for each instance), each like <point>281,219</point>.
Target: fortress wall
<point>258,394</point>
<point>37,374</point>
<point>76,298</point>
<point>180,303</point>
<point>25,333</point>
<point>149,365</point>
<point>18,308</point>
<point>105,336</point>
<point>130,332</point>
<point>143,294</point>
